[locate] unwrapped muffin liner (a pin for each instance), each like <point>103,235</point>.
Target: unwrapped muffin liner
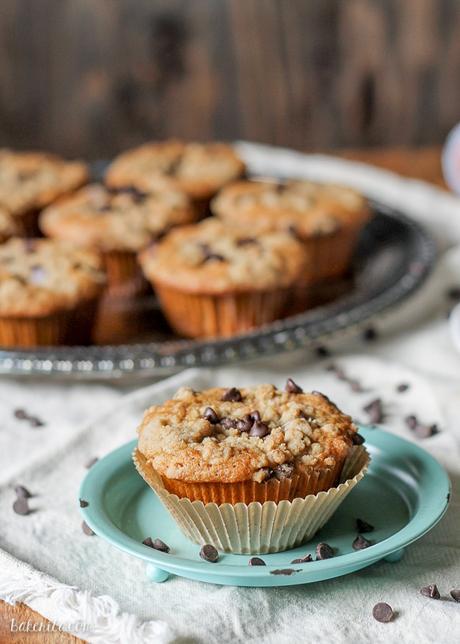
<point>256,528</point>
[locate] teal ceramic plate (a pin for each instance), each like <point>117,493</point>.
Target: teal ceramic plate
<point>404,494</point>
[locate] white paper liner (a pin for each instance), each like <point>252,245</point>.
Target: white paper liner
<point>256,528</point>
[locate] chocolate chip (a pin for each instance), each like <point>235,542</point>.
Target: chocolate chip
<point>402,387</point>
<point>256,561</point>
<point>360,543</point>
<point>157,544</point>
<point>228,423</point>
<point>357,439</point>
<point>454,293</point>
<point>211,416</point>
<point>83,503</point>
<point>246,241</point>
<point>21,506</point>
<point>148,542</point>
<point>209,255</point>
<point>282,472</point>
<point>292,388</point>
<point>370,334</point>
<point>305,559</point>
<point>411,421</point>
<point>284,571</point>
<point>355,386</point>
<point>232,395</point>
<point>21,414</point>
<point>259,430</point>
<point>421,430</point>
<point>86,529</point>
<point>91,462</point>
<point>209,553</point>
<point>255,416</point>
<point>455,594</point>
<point>244,424</point>
<point>22,492</point>
<point>374,410</point>
<point>363,526</point>
<point>322,352</point>
<point>324,551</point>
<point>383,612</point>
<point>35,422</point>
<point>430,591</point>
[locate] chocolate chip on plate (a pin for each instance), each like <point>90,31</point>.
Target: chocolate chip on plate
<point>411,421</point>
<point>357,439</point>
<point>259,430</point>
<point>455,594</point>
<point>305,559</point>
<point>211,416</point>
<point>232,395</point>
<point>22,492</point>
<point>402,387</point>
<point>21,506</point>
<point>284,571</point>
<point>83,503</point>
<point>209,553</point>
<point>324,551</point>
<point>148,542</point>
<point>21,414</point>
<point>360,543</point>
<point>91,462</point>
<point>430,591</point>
<point>292,388</point>
<point>322,351</point>
<point>370,334</point>
<point>374,410</point>
<point>256,561</point>
<point>244,424</point>
<point>363,526</point>
<point>35,422</point>
<point>157,544</point>
<point>86,529</point>
<point>383,612</point>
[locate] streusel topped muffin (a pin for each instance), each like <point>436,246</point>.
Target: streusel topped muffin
<point>199,169</point>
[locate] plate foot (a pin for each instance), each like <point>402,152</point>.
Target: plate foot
<point>395,556</point>
<point>156,574</point>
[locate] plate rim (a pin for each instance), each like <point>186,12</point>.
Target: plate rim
<point>107,530</point>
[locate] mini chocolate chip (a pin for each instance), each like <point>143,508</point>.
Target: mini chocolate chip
<point>383,612</point>
<point>455,594</point>
<point>211,416</point>
<point>363,526</point>
<point>21,506</point>
<point>91,462</point>
<point>292,388</point>
<point>402,387</point>
<point>430,591</point>
<point>160,545</point>
<point>148,542</point>
<point>411,421</point>
<point>360,543</point>
<point>228,423</point>
<point>322,352</point>
<point>255,416</point>
<point>35,422</point>
<point>86,529</point>
<point>305,559</point>
<point>22,492</point>
<point>256,561</point>
<point>21,414</point>
<point>83,503</point>
<point>244,424</point>
<point>284,571</point>
<point>426,431</point>
<point>209,553</point>
<point>370,334</point>
<point>283,471</point>
<point>232,395</point>
<point>259,430</point>
<point>324,551</point>
<point>374,410</point>
<point>246,241</point>
<point>357,439</point>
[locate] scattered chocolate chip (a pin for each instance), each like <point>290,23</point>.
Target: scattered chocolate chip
<point>244,424</point>
<point>22,492</point>
<point>246,241</point>
<point>363,526</point>
<point>284,571</point>
<point>86,529</point>
<point>157,544</point>
<point>209,553</point>
<point>211,416</point>
<point>455,594</point>
<point>232,395</point>
<point>21,414</point>
<point>360,543</point>
<point>374,410</point>
<point>430,591</point>
<point>420,429</point>
<point>35,422</point>
<point>355,386</point>
<point>282,472</point>
<point>292,388</point>
<point>148,542</point>
<point>305,559</point>
<point>411,421</point>
<point>255,416</point>
<point>256,561</point>
<point>228,423</point>
<point>21,506</point>
<point>324,551</point>
<point>259,430</point>
<point>401,388</point>
<point>83,503</point>
<point>91,462</point>
<point>322,351</point>
<point>383,612</point>
<point>358,439</point>
<point>370,334</point>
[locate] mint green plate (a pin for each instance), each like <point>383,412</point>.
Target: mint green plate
<point>404,494</point>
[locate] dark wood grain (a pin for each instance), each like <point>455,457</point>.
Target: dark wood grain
<point>90,78</point>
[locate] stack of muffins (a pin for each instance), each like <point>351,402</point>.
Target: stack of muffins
<point>223,254</point>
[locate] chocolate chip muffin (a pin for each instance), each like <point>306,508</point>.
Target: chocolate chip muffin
<point>29,181</point>
<point>214,279</point>
<point>248,444</point>
<point>48,293</point>
<point>327,218</point>
<point>118,222</point>
<point>198,169</point>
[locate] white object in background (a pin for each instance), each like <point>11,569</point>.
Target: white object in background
<point>451,159</point>
<point>454,322</point>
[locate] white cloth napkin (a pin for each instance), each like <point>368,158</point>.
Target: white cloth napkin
<point>47,562</point>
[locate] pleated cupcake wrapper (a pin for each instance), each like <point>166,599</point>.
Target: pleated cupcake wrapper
<point>256,528</point>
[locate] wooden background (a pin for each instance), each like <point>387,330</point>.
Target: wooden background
<point>89,77</point>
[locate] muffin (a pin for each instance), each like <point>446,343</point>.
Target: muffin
<point>48,293</point>
<point>118,222</point>
<point>327,218</point>
<point>8,226</point>
<point>250,469</point>
<point>29,181</point>
<point>198,169</point>
<point>214,280</point>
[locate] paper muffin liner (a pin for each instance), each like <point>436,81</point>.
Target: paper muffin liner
<point>124,275</point>
<point>198,315</point>
<point>256,528</point>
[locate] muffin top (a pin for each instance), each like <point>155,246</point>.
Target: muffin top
<point>116,218</point>
<point>231,435</point>
<point>215,258</point>
<point>31,180</point>
<point>199,169</point>
<point>304,207</point>
<point>41,276</point>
